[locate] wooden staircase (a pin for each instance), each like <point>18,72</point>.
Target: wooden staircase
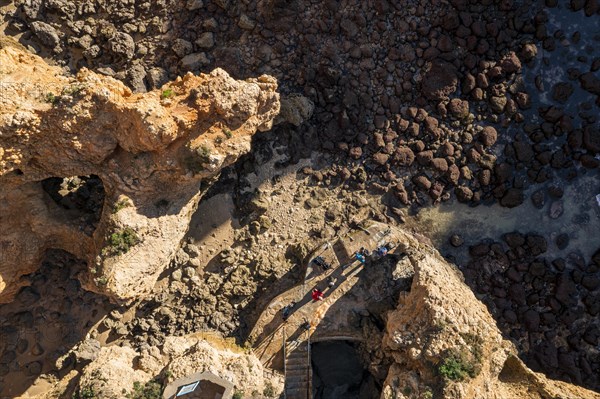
<point>298,371</point>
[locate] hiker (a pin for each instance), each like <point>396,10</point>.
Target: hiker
<point>305,325</point>
<point>364,252</point>
<point>382,251</point>
<point>330,281</point>
<point>321,262</point>
<point>317,295</point>
<point>360,257</point>
<point>288,310</point>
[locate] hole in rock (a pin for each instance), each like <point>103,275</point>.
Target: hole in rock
<point>512,371</point>
<point>81,196</point>
<point>339,372</point>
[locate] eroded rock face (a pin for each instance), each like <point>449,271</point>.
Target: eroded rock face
<point>440,319</point>
<point>113,373</point>
<point>150,151</point>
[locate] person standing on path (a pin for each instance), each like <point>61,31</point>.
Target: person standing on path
<point>317,295</point>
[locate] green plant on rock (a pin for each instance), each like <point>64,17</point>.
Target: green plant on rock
<point>86,392</point>
<point>167,93</point>
<point>439,325</point>
<point>51,98</point>
<point>168,374</point>
<point>121,241</point>
<point>72,90</point>
<point>227,133</point>
<point>200,156</point>
<point>149,390</point>
<point>238,394</point>
<point>121,204</point>
<point>269,390</point>
<point>428,394</point>
<point>464,362</point>
<point>475,343</point>
<point>102,280</point>
<point>203,153</point>
<point>456,366</point>
<point>193,165</point>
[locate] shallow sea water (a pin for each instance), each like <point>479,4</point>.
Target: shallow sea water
<point>581,216</point>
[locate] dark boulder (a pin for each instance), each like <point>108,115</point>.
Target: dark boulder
<point>537,244</point>
<point>488,136</point>
<point>404,156</point>
<point>479,250</point>
<point>566,290</point>
<point>512,198</point>
<point>591,138</point>
<point>514,239</point>
<point>590,82</point>
<point>440,165</point>
<point>531,320</point>
<point>538,199</point>
<point>463,193</point>
<point>422,182</point>
<point>562,241</point>
<point>510,63</point>
<point>439,81</point>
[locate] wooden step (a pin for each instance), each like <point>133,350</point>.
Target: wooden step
<point>297,375</point>
<point>298,372</point>
<point>296,394</point>
<point>291,365</point>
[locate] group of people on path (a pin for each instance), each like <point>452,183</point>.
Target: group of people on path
<point>362,254</point>
<point>317,295</point>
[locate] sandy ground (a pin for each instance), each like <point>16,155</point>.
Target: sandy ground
<point>580,220</point>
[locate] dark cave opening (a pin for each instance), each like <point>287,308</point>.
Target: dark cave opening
<point>339,372</point>
<point>81,195</point>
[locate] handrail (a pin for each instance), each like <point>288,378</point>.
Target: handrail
<point>284,365</point>
<point>308,369</point>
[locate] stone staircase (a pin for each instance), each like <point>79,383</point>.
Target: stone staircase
<point>379,235</point>
<point>298,371</point>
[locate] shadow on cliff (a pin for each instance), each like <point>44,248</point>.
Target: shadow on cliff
<point>45,321</point>
<point>544,303</point>
<point>357,316</point>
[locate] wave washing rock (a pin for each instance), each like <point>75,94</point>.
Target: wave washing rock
<point>150,151</point>
<point>445,343</point>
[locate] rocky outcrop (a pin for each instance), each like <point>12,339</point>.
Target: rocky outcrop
<point>445,343</point>
<point>113,371</point>
<point>149,150</point>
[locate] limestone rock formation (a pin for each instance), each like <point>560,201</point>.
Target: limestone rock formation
<point>445,343</point>
<point>113,372</point>
<point>150,152</point>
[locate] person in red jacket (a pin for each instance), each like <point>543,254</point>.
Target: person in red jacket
<point>317,295</point>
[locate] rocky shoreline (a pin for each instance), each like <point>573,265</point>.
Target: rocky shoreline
<point>549,306</point>
<point>415,104</point>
